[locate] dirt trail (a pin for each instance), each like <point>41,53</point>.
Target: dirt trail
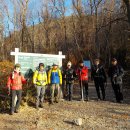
<point>96,115</point>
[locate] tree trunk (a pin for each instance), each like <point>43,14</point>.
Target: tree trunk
<point>127,3</point>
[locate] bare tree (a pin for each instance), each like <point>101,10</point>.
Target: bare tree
<point>46,16</point>
<point>2,29</point>
<point>127,3</point>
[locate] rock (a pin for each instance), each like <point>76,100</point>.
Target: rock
<point>78,121</point>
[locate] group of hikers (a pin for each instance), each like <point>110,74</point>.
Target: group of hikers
<point>54,78</point>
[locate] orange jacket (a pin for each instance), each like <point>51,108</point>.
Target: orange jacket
<point>15,81</point>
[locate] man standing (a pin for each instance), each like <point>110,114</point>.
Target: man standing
<point>82,73</point>
<point>99,76</point>
<point>40,82</point>
<point>55,80</point>
<point>69,76</point>
<point>116,73</point>
<point>14,85</point>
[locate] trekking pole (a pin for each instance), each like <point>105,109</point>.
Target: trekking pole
<point>82,92</point>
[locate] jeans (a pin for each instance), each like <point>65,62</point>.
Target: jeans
<point>69,91</point>
<point>99,84</point>
<point>40,94</point>
<point>15,93</point>
<point>55,91</point>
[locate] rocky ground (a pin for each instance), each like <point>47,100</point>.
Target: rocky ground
<point>96,115</point>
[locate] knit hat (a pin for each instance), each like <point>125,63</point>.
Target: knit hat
<point>97,59</point>
<point>54,64</point>
<point>114,59</point>
<point>69,63</point>
<point>81,61</point>
<point>17,65</point>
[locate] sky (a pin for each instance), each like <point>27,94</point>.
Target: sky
<point>34,6</point>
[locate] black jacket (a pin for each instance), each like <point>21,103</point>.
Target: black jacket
<point>116,73</point>
<point>98,73</point>
<point>69,75</point>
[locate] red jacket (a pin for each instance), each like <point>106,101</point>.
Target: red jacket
<point>15,81</point>
<point>83,73</point>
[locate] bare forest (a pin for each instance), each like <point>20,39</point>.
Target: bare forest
<point>83,30</point>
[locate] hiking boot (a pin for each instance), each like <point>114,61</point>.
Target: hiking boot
<point>12,112</point>
<point>70,99</point>
<point>87,98</point>
<point>98,99</point>
<point>16,111</point>
<point>121,101</point>
<point>56,101</point>
<point>104,99</point>
<point>41,105</point>
<point>51,102</point>
<point>37,107</point>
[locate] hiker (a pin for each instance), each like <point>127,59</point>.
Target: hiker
<point>40,82</point>
<point>14,85</point>
<point>55,80</point>
<point>69,75</point>
<point>99,76</point>
<point>82,73</point>
<point>116,73</point>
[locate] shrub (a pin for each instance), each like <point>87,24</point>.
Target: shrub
<point>6,68</point>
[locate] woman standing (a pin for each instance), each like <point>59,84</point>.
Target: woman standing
<point>14,85</point>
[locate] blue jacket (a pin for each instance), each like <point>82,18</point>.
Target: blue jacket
<point>55,76</point>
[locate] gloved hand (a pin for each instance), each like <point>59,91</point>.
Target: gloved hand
<point>46,86</point>
<point>27,80</point>
<point>115,75</point>
<point>35,85</point>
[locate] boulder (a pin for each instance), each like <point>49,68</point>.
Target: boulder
<point>78,121</point>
